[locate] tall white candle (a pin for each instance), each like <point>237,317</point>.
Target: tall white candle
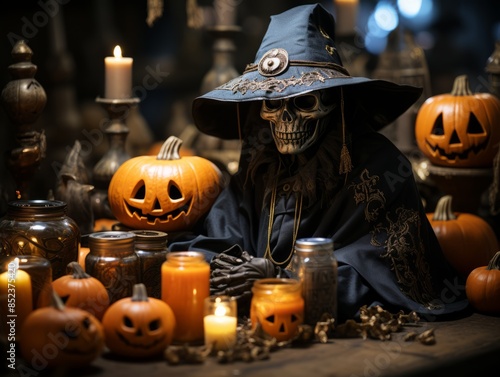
<point>118,75</point>
<point>346,12</point>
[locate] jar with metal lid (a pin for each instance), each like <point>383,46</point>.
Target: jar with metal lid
<point>40,227</point>
<point>112,260</point>
<point>278,306</point>
<point>315,265</point>
<point>151,248</point>
<point>185,283</point>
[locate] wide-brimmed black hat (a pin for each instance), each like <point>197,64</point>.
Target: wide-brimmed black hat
<point>298,55</point>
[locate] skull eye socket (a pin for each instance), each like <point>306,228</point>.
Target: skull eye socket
<point>307,102</point>
<point>273,104</point>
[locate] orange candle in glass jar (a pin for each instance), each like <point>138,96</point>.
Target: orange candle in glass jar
<point>185,283</point>
<point>277,304</point>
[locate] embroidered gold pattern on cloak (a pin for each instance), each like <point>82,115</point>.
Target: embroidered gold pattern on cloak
<point>366,192</point>
<point>404,248</point>
<point>400,238</point>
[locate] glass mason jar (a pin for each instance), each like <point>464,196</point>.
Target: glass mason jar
<point>40,227</point>
<point>185,283</point>
<point>315,265</point>
<point>112,260</point>
<point>278,306</point>
<point>151,248</point>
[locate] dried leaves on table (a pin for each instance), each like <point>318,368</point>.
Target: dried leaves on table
<point>254,344</point>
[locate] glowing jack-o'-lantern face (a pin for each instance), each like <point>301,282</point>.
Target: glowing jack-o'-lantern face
<point>459,129</point>
<point>277,305</point>
<point>166,192</point>
<point>138,326</point>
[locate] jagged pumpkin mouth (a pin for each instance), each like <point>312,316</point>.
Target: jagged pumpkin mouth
<point>463,155</point>
<point>131,344</point>
<point>151,218</point>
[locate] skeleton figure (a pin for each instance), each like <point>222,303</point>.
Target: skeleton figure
<point>298,122</point>
<point>312,164</point>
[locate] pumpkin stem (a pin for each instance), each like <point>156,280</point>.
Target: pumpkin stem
<point>170,149</point>
<point>56,301</point>
<point>461,86</point>
<point>443,210</point>
<point>139,293</point>
<point>76,271</point>
<point>494,263</point>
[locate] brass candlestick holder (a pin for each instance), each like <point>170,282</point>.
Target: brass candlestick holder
<point>116,131</point>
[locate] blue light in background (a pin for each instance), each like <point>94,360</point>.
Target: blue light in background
<point>416,15</point>
<point>386,16</point>
<point>409,8</point>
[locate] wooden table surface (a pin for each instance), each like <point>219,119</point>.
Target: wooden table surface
<point>468,346</point>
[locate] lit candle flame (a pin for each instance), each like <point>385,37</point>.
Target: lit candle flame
<point>220,311</point>
<point>117,52</point>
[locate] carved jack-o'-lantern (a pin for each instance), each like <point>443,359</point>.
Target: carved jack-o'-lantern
<point>57,335</point>
<point>278,306</point>
<point>459,129</point>
<point>167,192</point>
<point>138,326</point>
<point>79,289</point>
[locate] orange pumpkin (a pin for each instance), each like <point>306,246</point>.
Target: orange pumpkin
<point>459,129</point>
<point>167,193</point>
<point>139,326</point>
<point>483,287</point>
<point>467,241</point>
<point>58,335</point>
<point>79,289</point>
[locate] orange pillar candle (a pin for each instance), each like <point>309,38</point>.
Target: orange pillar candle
<point>185,283</point>
<point>15,300</point>
<point>277,304</point>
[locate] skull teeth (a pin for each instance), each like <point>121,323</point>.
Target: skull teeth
<point>290,136</point>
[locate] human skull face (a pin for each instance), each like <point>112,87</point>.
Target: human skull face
<point>297,122</point>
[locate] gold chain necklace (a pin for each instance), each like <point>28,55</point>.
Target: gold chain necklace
<point>296,225</point>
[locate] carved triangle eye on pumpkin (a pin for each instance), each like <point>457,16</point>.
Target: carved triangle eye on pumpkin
<point>166,192</point>
<point>459,129</point>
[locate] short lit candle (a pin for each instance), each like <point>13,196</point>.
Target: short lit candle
<point>220,322</point>
<point>118,75</point>
<point>15,297</point>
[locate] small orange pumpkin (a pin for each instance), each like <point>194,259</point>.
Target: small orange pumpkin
<point>58,335</point>
<point>80,290</point>
<point>167,193</point>
<point>139,326</point>
<point>467,241</point>
<point>483,287</point>
<point>459,129</point>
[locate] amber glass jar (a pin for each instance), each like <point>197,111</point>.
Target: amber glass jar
<point>112,261</point>
<point>185,283</point>
<point>278,306</point>
<point>151,248</point>
<point>40,227</point>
